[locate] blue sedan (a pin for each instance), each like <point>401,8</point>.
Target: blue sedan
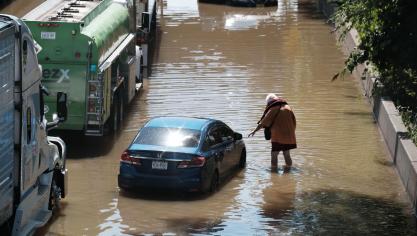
<point>182,153</point>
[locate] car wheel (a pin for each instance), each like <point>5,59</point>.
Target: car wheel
<point>242,161</point>
<point>214,182</point>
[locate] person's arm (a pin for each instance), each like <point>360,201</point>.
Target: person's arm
<point>265,122</point>
<point>255,130</point>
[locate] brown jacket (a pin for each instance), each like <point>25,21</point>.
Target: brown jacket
<point>283,124</point>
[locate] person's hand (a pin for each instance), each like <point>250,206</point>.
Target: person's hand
<point>251,134</point>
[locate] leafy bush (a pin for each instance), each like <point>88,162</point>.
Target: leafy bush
<point>388,39</point>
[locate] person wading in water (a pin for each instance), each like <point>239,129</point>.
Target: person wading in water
<point>279,118</point>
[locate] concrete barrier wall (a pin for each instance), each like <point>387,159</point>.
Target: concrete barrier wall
<point>402,150</point>
<point>406,164</point>
<point>390,124</point>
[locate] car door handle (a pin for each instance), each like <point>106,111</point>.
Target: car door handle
<point>229,148</point>
<point>218,156</point>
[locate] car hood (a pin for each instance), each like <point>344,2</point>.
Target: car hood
<point>143,147</point>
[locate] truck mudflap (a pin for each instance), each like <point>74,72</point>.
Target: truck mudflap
<point>62,181</point>
<point>62,149</point>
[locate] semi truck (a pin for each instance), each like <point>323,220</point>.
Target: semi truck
<point>33,174</point>
<point>146,30</point>
<point>89,52</point>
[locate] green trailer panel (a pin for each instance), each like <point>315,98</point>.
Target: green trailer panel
<point>59,42</point>
<point>72,51</point>
<point>70,79</point>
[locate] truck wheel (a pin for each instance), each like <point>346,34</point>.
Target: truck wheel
<point>54,196</point>
<point>121,111</point>
<point>115,115</point>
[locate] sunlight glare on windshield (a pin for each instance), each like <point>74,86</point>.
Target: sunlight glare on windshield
<point>174,138</point>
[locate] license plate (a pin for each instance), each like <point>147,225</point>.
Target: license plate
<point>160,165</point>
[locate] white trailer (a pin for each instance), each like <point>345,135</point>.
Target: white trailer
<point>32,165</point>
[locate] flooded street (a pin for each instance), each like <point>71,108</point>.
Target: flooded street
<point>220,62</point>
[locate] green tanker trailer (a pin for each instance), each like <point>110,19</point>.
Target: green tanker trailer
<point>88,50</point>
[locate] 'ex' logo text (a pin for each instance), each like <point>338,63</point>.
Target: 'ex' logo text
<point>60,74</point>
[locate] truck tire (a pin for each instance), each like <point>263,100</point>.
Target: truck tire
<point>114,117</point>
<point>54,196</point>
<point>121,111</point>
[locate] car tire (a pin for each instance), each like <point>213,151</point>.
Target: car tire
<point>242,160</point>
<point>214,182</point>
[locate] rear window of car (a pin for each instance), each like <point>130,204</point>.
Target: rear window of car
<point>169,137</point>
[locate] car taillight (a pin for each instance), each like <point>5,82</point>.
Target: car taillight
<point>194,162</point>
<point>126,158</point>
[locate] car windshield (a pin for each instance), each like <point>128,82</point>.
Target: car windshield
<point>170,137</point>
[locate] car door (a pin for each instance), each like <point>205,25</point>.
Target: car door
<point>215,148</point>
<point>230,152</point>
<point>225,145</point>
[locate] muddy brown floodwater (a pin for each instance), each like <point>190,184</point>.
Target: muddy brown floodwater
<point>218,61</point>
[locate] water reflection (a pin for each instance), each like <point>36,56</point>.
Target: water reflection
<point>279,199</point>
<point>239,21</point>
<point>235,19</point>
<point>287,9</point>
<point>160,212</point>
<point>218,61</point>
<point>180,11</point>
<point>248,18</point>
<point>113,222</point>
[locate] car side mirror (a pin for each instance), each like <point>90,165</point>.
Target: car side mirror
<point>237,136</point>
<point>61,106</point>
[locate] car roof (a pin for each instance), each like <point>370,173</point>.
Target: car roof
<point>195,123</point>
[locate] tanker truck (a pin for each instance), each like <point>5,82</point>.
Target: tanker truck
<point>32,165</point>
<point>89,52</point>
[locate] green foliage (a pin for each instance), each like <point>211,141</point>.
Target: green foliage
<point>388,39</point>
<point>410,120</point>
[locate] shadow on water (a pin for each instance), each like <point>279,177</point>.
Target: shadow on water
<point>157,47</point>
<point>195,225</point>
<point>189,225</point>
<point>219,2</point>
<point>309,10</point>
<point>178,213</point>
<point>384,162</point>
<point>359,113</point>
<point>175,195</point>
<point>4,3</point>
<point>55,216</point>
<point>338,212</point>
<point>81,146</point>
<point>163,195</point>
<point>352,96</point>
